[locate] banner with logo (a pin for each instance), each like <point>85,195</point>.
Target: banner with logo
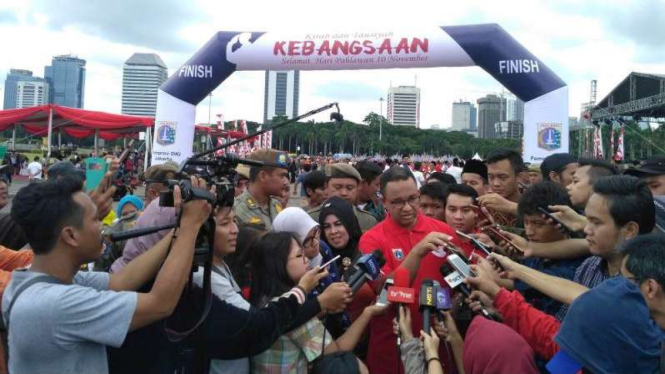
<point>487,46</point>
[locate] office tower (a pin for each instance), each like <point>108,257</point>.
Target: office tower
<point>509,130</point>
<point>464,116</point>
<point>282,91</point>
<point>22,90</point>
<point>66,79</point>
<point>142,75</point>
<point>514,110</point>
<point>404,106</point>
<point>491,109</point>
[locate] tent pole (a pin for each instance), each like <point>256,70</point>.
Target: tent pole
<point>96,142</point>
<point>50,133</point>
<point>148,143</point>
<point>14,138</point>
<point>59,138</point>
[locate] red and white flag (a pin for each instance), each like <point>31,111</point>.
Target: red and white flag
<point>598,143</point>
<point>611,151</point>
<point>619,155</point>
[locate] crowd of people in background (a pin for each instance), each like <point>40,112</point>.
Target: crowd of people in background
<point>566,262</point>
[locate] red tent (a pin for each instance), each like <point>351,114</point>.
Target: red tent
<point>78,123</point>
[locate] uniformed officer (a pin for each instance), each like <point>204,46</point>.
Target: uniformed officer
<point>343,180</point>
<point>257,206</point>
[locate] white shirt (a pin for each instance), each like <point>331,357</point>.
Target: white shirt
<point>456,172</point>
<point>35,170</point>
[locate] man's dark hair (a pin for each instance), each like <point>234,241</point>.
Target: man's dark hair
<point>307,168</point>
<point>315,179</point>
<point>444,178</point>
<point>369,171</point>
<point>435,190</point>
<point>512,156</point>
<point>461,189</point>
<point>598,169</point>
<point>43,209</point>
<point>389,162</point>
<point>456,162</point>
<point>541,195</point>
<point>629,200</point>
<point>646,257</point>
<point>395,175</point>
<point>36,158</point>
<point>417,165</point>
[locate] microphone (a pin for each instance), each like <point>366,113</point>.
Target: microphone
<point>401,292</point>
<point>427,302</point>
<point>367,267</point>
<point>455,273</point>
<point>443,299</point>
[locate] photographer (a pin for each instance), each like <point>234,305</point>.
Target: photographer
<point>84,311</point>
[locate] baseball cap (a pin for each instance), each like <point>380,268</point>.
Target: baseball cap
<point>630,340</point>
<point>65,168</point>
<point>652,166</point>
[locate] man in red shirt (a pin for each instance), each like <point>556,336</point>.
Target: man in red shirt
<point>413,241</point>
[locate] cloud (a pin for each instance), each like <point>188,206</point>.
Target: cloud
<point>149,23</point>
<point>7,16</point>
<point>349,90</point>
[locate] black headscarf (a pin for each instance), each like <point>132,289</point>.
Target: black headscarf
<point>344,212</point>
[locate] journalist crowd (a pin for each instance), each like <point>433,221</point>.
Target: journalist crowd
<point>387,265</point>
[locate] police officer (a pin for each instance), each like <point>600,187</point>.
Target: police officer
<point>256,206</point>
<point>343,181</point>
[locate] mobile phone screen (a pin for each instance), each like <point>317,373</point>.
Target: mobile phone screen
<point>95,168</point>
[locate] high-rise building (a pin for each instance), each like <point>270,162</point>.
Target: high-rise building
<point>22,90</point>
<point>66,79</point>
<point>491,109</point>
<point>514,110</point>
<point>464,116</point>
<point>404,106</point>
<point>509,130</point>
<point>142,75</point>
<point>474,118</point>
<point>282,93</point>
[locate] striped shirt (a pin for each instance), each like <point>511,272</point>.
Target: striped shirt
<point>591,273</point>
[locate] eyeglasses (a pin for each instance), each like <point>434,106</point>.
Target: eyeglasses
<point>413,201</point>
<point>300,254</point>
<point>310,240</point>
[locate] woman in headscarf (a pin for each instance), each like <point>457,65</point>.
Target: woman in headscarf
<point>341,231</point>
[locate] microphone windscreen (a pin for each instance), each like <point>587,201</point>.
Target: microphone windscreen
<point>379,257</point>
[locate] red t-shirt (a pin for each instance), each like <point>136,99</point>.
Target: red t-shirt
<point>396,242</point>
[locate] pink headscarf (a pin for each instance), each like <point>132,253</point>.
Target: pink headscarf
<point>492,347</point>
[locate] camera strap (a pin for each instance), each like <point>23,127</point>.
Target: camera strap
<point>45,278</point>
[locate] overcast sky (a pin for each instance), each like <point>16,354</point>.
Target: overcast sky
<point>579,40</point>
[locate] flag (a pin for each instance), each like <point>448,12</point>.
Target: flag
<point>220,142</point>
<point>611,151</point>
<point>619,155</point>
<point>598,143</point>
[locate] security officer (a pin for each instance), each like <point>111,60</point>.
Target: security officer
<point>343,181</point>
<point>256,206</point>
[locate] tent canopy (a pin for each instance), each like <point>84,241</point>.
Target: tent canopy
<point>77,123</point>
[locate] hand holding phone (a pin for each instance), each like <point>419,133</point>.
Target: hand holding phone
<point>556,221</point>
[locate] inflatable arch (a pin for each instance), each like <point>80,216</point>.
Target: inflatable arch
<point>488,46</point>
